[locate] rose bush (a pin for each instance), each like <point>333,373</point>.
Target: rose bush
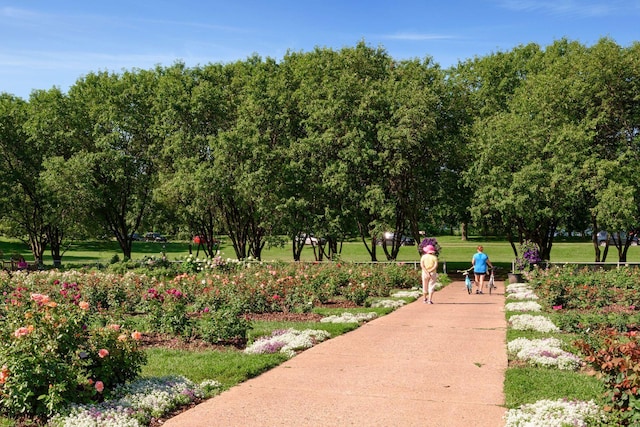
<point>53,351</point>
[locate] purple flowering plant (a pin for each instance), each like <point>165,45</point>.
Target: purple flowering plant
<point>429,241</point>
<point>529,256</point>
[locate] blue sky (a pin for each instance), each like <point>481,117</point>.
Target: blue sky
<point>46,43</point>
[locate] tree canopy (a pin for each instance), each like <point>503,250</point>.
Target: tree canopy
<point>331,143</point>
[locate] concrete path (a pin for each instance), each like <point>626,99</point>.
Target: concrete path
<point>422,365</point>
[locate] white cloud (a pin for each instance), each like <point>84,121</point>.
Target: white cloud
<point>585,9</point>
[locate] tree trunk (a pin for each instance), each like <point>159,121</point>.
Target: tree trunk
<point>55,236</point>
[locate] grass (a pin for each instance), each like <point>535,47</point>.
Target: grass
<point>232,366</point>
<point>456,253</point>
<point>264,328</point>
<point>229,367</point>
<point>524,385</point>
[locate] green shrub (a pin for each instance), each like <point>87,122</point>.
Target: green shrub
<point>223,326</point>
<point>167,311</point>
<point>51,355</point>
<point>616,361</point>
<point>356,292</point>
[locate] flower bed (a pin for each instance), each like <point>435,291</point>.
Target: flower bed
<point>600,307</point>
<point>90,324</point>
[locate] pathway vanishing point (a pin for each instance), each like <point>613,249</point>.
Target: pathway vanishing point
<point>439,365</point>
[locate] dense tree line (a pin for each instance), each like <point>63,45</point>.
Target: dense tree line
<point>334,143</point>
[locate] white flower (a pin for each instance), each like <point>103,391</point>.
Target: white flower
<point>287,341</point>
<point>210,384</point>
<point>550,413</point>
<point>518,287</point>
<point>407,294</point>
<point>388,303</point>
<point>152,396</point>
<point>524,322</point>
<point>526,294</point>
<point>349,318</point>
<point>543,352</point>
<point>523,306</point>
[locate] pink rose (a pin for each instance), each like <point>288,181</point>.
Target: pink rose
<point>103,352</point>
<point>99,386</point>
<point>20,332</point>
<point>40,298</point>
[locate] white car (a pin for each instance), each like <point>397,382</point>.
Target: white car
<point>310,239</point>
<point>404,240</point>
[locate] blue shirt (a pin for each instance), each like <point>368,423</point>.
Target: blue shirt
<point>480,262</point>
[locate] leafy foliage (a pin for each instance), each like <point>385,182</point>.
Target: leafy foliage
<point>54,351</point>
<point>617,361</point>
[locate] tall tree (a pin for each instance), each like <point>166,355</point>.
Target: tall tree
<point>527,171</point>
<point>24,206</point>
<point>120,151</point>
<point>192,106</point>
<point>52,125</point>
<point>611,74</point>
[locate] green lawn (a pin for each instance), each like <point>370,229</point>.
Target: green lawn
<point>455,252</point>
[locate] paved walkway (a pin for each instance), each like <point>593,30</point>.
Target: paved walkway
<point>422,365</point>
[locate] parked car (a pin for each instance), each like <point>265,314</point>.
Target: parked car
<point>154,237</point>
<point>389,237</point>
<point>136,237</point>
<point>602,239</point>
<point>310,239</point>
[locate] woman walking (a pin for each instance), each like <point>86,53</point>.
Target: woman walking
<point>429,266</point>
<point>480,261</point>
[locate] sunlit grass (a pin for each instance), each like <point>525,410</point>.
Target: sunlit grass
<point>456,253</point>
<point>530,384</point>
<point>229,367</point>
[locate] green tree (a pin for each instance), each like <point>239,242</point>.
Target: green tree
<point>119,151</point>
<point>52,125</point>
<point>193,106</point>
<point>530,155</point>
<point>24,207</point>
<point>612,73</point>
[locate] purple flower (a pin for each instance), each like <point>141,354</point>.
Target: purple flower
<point>429,241</point>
